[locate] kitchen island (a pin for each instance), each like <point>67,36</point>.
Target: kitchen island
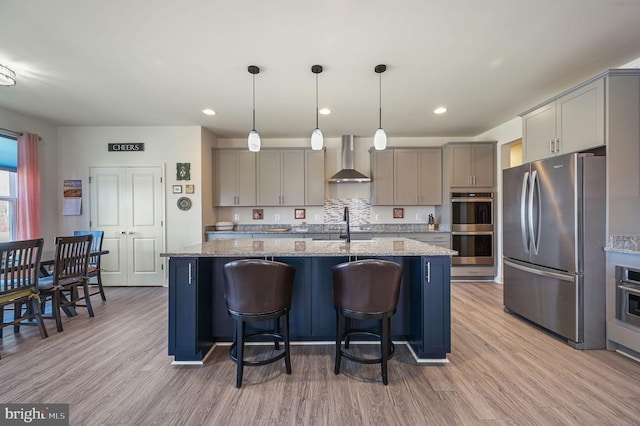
<point>198,316</point>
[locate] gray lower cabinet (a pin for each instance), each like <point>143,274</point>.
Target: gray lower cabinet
<point>210,236</point>
<point>440,239</point>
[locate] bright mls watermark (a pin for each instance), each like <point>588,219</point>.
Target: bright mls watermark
<point>34,414</point>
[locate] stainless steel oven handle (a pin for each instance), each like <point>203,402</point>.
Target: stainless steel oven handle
<point>472,233</point>
<point>472,200</point>
<point>632,290</point>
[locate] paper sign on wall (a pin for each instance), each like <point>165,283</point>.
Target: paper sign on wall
<point>72,201</point>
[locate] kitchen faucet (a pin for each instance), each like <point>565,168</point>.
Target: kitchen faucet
<point>346,219</point>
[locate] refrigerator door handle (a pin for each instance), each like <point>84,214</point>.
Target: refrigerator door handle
<point>523,213</point>
<point>541,272</point>
<point>534,194</point>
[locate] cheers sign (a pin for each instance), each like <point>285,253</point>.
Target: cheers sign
<point>126,147</point>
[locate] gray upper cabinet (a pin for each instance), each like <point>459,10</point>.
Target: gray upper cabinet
<point>430,176</point>
<point>572,122</point>
<point>235,173</point>
<point>406,176</point>
<point>382,177</point>
<point>472,165</point>
<point>417,176</point>
<point>281,177</point>
<point>314,183</point>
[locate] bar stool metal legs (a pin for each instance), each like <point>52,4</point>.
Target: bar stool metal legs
<point>387,348</point>
<point>365,290</point>
<point>236,352</point>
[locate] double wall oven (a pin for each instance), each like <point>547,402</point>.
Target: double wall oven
<point>628,295</point>
<point>472,228</point>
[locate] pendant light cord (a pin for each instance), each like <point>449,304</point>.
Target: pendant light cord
<point>316,100</point>
<point>380,101</point>
<point>254,102</point>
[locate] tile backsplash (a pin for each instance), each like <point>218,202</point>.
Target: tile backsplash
<point>359,211</point>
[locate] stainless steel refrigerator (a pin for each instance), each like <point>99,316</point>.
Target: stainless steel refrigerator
<point>553,246</point>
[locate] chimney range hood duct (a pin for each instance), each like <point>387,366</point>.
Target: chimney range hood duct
<point>348,174</point>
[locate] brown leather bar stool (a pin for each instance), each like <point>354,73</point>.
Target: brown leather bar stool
<point>366,290</point>
<point>258,290</point>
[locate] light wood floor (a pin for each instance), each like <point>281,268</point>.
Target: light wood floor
<point>114,369</point>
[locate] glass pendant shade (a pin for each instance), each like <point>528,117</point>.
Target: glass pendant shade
<point>254,141</point>
<point>380,139</point>
<point>317,140</point>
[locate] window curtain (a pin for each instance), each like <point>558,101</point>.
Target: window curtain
<point>28,205</point>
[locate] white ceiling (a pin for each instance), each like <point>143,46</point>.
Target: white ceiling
<point>141,62</point>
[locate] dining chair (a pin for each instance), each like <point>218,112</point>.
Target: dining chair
<point>69,273</point>
<point>94,270</point>
<point>19,273</point>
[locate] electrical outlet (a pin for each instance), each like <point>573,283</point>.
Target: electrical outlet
<point>377,216</point>
<point>277,217</point>
<point>236,216</point>
<point>317,217</point>
<point>417,216</point>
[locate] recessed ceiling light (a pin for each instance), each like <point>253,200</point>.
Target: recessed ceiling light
<point>325,111</point>
<point>440,110</point>
<point>209,111</point>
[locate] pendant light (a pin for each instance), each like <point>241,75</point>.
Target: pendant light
<point>254,136</point>
<point>317,139</point>
<point>380,138</point>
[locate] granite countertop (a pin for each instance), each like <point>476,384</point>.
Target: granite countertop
<point>306,247</point>
<point>380,228</point>
<point>624,244</point>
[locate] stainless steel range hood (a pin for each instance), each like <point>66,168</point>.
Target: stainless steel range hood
<point>348,174</point>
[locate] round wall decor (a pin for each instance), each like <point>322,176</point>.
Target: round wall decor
<point>184,203</point>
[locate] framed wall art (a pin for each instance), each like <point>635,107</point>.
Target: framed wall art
<point>189,189</point>
<point>299,213</point>
<point>177,189</point>
<point>183,171</point>
<point>398,213</point>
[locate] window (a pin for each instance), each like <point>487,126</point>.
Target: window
<point>8,186</point>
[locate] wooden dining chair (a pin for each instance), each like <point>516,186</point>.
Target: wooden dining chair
<point>19,273</point>
<point>69,273</point>
<point>94,261</point>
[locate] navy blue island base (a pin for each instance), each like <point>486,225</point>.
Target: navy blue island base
<point>198,316</point>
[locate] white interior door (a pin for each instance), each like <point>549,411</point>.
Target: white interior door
<point>127,204</point>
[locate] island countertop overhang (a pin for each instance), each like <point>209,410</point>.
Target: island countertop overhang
<point>306,247</point>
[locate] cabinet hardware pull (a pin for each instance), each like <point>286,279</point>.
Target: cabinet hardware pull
<point>551,146</point>
<point>557,145</point>
<point>190,276</point>
<point>428,272</point>
<point>123,232</point>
